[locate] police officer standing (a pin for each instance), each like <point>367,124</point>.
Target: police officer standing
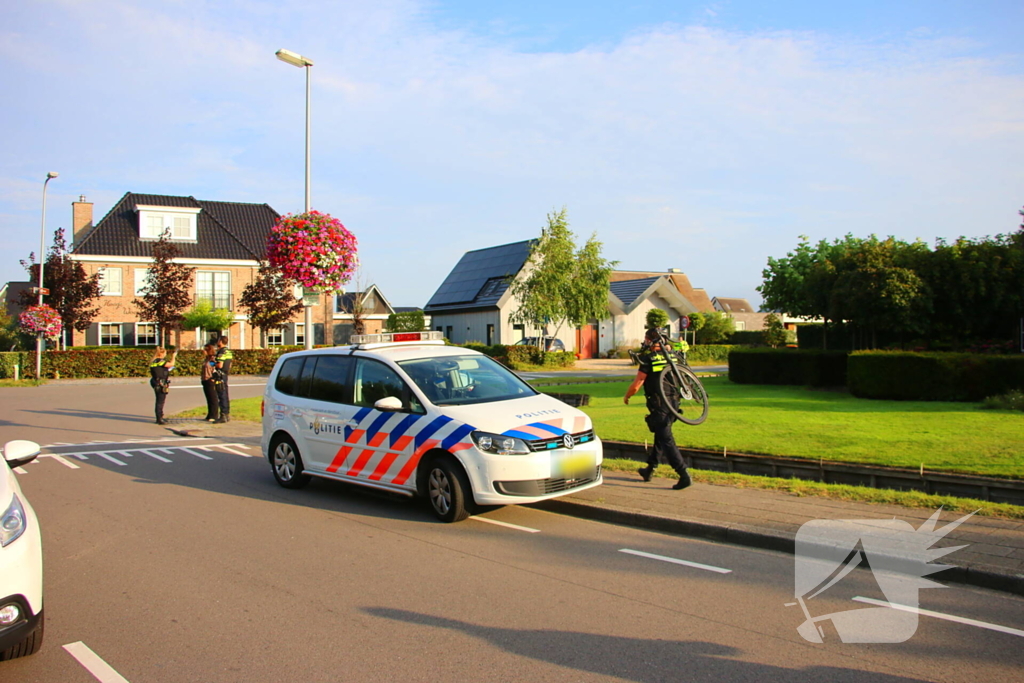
<point>660,418</point>
<point>223,359</point>
<point>160,379</point>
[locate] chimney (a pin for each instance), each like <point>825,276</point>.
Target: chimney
<point>81,219</point>
<point>675,270</point>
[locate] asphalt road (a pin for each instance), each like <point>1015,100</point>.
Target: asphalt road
<point>182,560</point>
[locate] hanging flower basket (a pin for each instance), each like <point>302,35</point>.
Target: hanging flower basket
<point>43,319</point>
<point>313,249</point>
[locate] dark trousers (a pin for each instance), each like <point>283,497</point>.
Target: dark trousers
<point>212,399</point>
<point>660,423</point>
<point>222,395</point>
<point>161,398</point>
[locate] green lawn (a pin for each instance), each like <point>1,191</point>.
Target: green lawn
<point>798,422</point>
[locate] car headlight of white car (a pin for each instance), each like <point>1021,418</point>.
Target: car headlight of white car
<point>499,444</point>
<point>12,522</point>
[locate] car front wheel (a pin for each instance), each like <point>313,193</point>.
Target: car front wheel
<point>447,489</point>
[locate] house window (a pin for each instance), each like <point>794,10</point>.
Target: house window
<point>110,334</point>
<point>140,280</point>
<point>179,222</point>
<point>300,334</point>
<point>145,334</point>
<point>448,333</point>
<point>275,337</point>
<point>110,281</point>
<point>215,287</point>
<point>518,332</point>
<point>490,334</point>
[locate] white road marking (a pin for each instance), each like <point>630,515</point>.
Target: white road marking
<point>112,459</point>
<point>506,524</point>
<point>21,470</point>
<point>157,440</point>
<point>940,615</point>
<point>696,565</point>
<point>198,455</point>
<point>102,671</point>
<point>229,450</point>
<point>155,456</point>
<point>60,459</point>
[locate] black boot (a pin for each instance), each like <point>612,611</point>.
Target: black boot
<point>646,472</point>
<point>684,481</point>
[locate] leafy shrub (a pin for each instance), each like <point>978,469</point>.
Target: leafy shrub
<point>709,353</point>
<point>524,356</point>
<point>1011,400</point>
<point>904,375</point>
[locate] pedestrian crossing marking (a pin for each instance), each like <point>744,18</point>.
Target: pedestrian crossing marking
<point>119,455</point>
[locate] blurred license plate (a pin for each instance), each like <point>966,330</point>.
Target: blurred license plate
<point>573,465</point>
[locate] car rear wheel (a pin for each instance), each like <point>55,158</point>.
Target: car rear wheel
<point>286,462</point>
<point>447,489</point>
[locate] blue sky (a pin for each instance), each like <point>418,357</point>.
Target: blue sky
<point>700,136</point>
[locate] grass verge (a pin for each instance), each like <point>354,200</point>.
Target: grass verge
<point>859,494</point>
<point>243,409</point>
<point>21,382</point>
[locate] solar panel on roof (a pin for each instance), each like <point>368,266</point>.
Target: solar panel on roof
<point>465,282</point>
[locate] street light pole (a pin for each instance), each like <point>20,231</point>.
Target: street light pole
<point>305,63</point>
<point>42,260</point>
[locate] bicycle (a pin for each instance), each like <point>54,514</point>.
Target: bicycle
<point>679,387</point>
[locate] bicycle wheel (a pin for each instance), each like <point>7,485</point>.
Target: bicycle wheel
<point>684,394</point>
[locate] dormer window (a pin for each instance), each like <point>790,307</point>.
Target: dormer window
<point>178,221</point>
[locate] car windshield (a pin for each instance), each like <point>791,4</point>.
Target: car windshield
<point>459,380</point>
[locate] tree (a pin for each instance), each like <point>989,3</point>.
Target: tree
<point>72,291</point>
<point>561,284</point>
<point>656,318</point>
<point>715,326</point>
<point>204,316</point>
<point>166,293</point>
<point>269,300</point>
<point>774,331</point>
<point>406,321</point>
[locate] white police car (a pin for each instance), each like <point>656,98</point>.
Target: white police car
<point>21,560</point>
<point>404,413</point>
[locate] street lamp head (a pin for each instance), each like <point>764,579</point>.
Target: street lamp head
<point>52,174</point>
<point>293,58</point>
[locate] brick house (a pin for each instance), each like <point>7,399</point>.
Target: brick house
<point>222,241</point>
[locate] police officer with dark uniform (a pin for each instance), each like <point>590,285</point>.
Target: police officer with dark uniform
<point>660,418</point>
<point>223,358</point>
<point>160,379</point>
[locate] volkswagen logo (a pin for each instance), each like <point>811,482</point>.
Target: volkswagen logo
<point>568,441</point>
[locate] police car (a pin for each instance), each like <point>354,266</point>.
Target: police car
<point>407,414</point>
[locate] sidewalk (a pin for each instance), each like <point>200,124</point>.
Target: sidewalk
<point>993,558</point>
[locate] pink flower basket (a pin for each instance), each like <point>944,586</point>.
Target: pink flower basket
<point>43,319</point>
<point>313,249</point>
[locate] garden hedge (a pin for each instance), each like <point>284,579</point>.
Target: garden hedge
<point>904,375</point>
<point>126,362</point>
<point>523,356</point>
<point>788,366</point>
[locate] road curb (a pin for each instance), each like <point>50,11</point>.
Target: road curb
<point>764,539</point>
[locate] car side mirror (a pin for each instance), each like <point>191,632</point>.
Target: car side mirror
<point>18,453</point>
<point>389,404</point>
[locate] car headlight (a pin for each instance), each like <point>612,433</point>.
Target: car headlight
<point>502,445</point>
<point>12,523</point>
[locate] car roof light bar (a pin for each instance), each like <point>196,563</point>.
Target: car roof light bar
<point>396,338</point>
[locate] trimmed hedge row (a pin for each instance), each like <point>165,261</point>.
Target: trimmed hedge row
<point>520,356</point>
<point>788,366</point>
<point>79,364</point>
<point>903,375</point>
<point>709,353</point>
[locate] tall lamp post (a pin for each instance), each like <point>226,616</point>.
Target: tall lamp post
<point>307,299</point>
<point>42,260</point>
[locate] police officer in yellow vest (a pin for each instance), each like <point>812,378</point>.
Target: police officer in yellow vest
<point>223,359</point>
<point>660,418</point>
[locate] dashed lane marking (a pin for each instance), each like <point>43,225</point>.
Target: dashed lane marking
<point>92,662</point>
<point>506,524</point>
<point>673,560</point>
<point>940,615</point>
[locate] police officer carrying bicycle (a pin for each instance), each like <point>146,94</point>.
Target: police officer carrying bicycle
<point>659,419</point>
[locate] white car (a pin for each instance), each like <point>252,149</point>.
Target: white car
<point>404,413</point>
<point>21,560</point>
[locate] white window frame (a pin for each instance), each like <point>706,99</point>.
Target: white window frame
<point>140,275</point>
<point>120,337</point>
<point>216,294</point>
<point>156,334</point>
<point>300,334</point>
<point>155,220</point>
<point>275,336</point>
<point>106,288</point>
